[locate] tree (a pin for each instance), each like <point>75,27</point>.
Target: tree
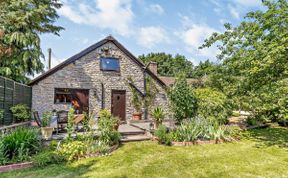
<point>182,98</point>
<point>169,65</point>
<point>21,23</point>
<point>254,58</point>
<point>204,68</point>
<point>257,49</point>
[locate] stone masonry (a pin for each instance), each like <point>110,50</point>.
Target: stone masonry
<point>85,73</point>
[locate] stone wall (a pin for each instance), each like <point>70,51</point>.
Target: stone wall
<point>85,73</point>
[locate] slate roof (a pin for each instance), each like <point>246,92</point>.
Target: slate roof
<point>90,49</point>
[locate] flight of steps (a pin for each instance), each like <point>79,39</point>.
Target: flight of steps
<point>131,134</point>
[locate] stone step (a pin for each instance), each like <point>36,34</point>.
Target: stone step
<point>134,138</point>
<point>126,133</point>
<point>126,129</point>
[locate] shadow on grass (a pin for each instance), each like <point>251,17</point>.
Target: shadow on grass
<point>269,136</point>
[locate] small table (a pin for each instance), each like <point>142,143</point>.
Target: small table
<point>78,118</point>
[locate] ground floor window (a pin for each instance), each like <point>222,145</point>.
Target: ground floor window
<point>62,95</point>
<point>78,98</point>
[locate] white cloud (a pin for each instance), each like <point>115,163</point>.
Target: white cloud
<point>194,37</point>
<point>156,8</point>
<point>71,14</point>
<point>116,15</point>
<point>223,21</point>
<point>151,36</point>
<point>235,7</point>
<point>248,3</point>
<point>234,11</point>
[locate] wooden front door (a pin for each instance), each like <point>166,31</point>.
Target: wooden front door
<point>118,104</point>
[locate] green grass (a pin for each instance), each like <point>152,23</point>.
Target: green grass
<point>262,153</point>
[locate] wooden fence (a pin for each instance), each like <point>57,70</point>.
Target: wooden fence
<point>12,93</point>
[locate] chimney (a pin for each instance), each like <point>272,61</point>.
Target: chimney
<point>49,58</point>
<point>153,67</point>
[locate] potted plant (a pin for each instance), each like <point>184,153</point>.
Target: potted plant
<point>137,104</point>
<point>158,116</point>
<point>46,130</point>
<point>136,101</point>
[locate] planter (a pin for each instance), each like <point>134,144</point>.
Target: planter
<point>12,167</point>
<point>156,124</point>
<point>137,116</point>
<point>46,132</point>
<point>182,143</point>
<point>197,142</point>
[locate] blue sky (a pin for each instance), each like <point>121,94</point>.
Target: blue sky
<point>171,26</point>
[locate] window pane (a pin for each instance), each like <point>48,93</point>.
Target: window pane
<point>62,95</point>
<point>111,64</point>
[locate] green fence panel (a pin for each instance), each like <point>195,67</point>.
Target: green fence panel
<point>12,93</point>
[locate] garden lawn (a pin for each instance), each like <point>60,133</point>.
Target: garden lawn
<point>262,153</point>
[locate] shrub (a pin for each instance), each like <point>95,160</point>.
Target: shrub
<point>53,145</point>
<point>21,143</point>
<point>70,124</point>
<point>21,112</point>
<point>251,120</point>
<point>46,118</point>
<point>106,125</point>
<point>72,150</point>
<point>109,137</point>
<point>213,105</point>
<point>163,135</point>
<point>183,100</point>
<point>106,120</point>
<point>47,157</point>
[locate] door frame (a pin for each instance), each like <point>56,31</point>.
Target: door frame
<point>121,92</point>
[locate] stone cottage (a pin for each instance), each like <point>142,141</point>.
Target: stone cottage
<point>94,79</point>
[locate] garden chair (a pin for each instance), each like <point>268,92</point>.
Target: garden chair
<point>62,119</point>
<point>37,118</point>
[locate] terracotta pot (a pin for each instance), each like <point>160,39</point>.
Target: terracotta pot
<point>46,132</point>
<point>137,116</point>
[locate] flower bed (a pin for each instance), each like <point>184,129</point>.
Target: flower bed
<point>196,132</point>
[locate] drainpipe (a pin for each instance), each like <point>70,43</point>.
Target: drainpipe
<point>102,96</point>
<point>145,91</point>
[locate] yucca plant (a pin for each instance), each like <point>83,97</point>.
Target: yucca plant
<point>188,131</point>
<point>158,116</point>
